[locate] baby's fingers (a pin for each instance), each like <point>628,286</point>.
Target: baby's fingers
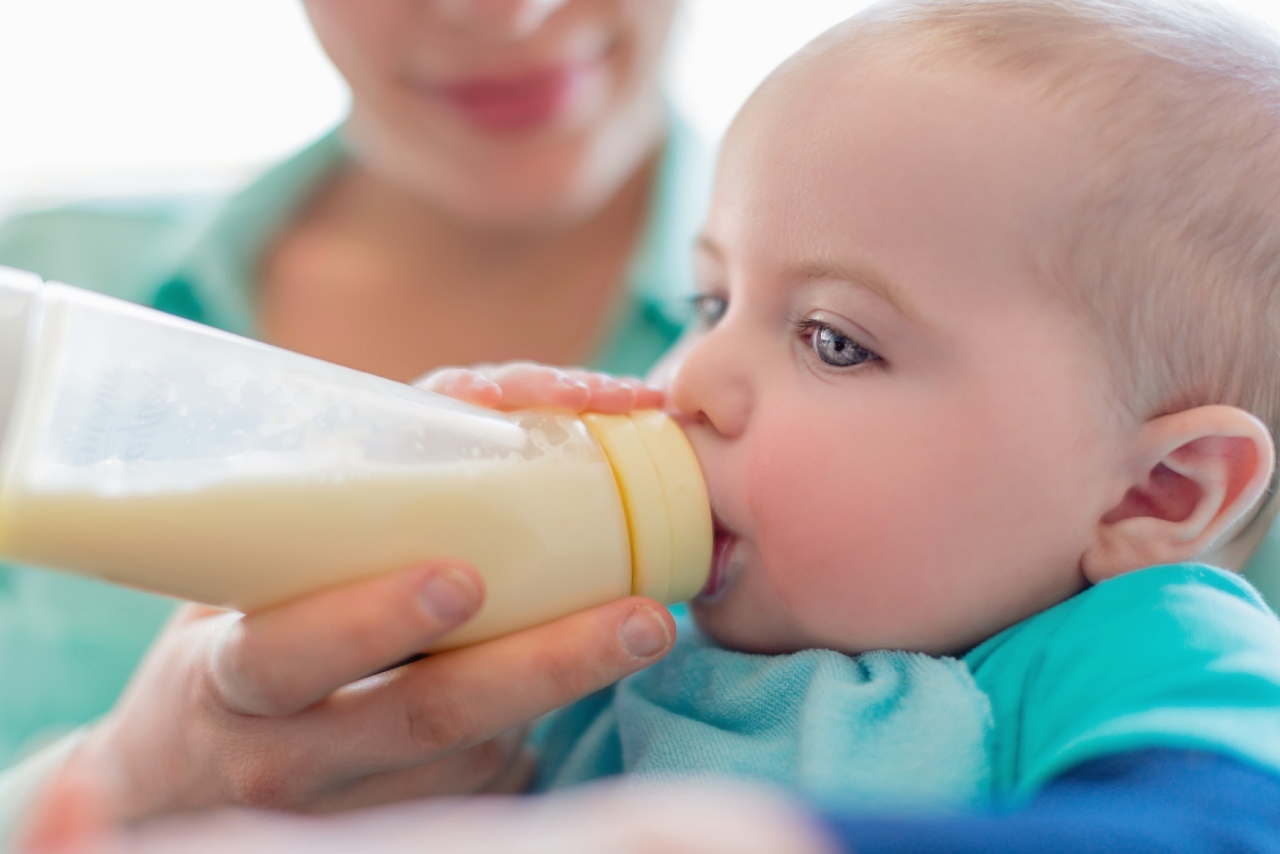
<point>617,395</point>
<point>464,384</point>
<point>526,385</point>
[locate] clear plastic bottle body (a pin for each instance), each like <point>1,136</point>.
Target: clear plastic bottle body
<point>166,455</point>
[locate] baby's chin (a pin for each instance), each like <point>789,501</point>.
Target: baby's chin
<point>735,627</point>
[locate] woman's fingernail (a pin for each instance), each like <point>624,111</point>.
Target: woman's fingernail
<point>644,633</point>
<point>450,595</point>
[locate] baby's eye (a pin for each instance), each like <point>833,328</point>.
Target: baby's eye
<point>835,349</point>
<point>710,308</point>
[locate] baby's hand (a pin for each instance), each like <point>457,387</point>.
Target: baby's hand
<point>526,385</point>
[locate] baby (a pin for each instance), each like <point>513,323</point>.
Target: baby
<point>986,368</point>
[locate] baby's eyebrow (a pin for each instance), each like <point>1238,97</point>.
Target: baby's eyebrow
<point>859,275</point>
<point>866,277</point>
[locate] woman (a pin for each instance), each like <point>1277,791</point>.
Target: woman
<point>508,185</point>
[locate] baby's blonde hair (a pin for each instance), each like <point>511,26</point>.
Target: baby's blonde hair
<point>1175,254</point>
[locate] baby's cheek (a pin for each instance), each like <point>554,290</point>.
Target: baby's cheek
<point>853,522</point>
<point>815,516</point>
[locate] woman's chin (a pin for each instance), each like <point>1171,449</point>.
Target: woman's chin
<point>542,188</point>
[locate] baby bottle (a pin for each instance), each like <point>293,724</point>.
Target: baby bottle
<point>159,453</point>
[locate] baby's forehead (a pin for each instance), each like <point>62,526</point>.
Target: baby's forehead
<point>848,105</point>
<point>1054,110</point>
<point>824,88</point>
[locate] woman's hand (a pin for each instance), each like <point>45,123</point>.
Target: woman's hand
<point>278,709</point>
<point>523,385</point>
<point>701,818</point>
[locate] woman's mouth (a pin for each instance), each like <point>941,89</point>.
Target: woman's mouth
<point>721,562</point>
<point>521,101</point>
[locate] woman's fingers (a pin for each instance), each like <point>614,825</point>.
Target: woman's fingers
<point>502,765</point>
<point>279,661</point>
<point>452,713</point>
<point>454,700</point>
<point>517,776</point>
<point>276,709</point>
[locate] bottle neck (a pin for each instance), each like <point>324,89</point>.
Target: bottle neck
<point>665,500</point>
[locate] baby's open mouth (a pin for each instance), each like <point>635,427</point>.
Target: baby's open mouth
<point>721,552</point>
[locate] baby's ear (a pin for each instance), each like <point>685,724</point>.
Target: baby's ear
<point>1196,475</point>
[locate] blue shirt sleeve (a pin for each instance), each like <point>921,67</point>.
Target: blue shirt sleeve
<point>1163,801</point>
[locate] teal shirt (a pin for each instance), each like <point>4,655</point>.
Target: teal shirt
<point>1183,656</point>
<point>1263,568</point>
<point>68,645</point>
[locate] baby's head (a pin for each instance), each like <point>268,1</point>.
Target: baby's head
<point>991,313</point>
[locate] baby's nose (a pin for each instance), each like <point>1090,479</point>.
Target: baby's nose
<point>709,386</point>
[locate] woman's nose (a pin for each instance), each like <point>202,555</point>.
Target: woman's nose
<point>499,19</point>
<point>711,385</point>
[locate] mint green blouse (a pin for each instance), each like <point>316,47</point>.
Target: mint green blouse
<point>68,645</point>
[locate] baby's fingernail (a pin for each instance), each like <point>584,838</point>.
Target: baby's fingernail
<point>450,595</point>
<point>570,382</point>
<point>644,633</point>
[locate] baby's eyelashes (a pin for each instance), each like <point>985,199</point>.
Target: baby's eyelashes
<point>831,347</point>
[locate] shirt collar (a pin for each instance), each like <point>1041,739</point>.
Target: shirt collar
<point>212,280</point>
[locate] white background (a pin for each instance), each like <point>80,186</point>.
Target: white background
<point>139,96</point>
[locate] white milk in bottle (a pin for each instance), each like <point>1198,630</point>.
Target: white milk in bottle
<point>163,454</point>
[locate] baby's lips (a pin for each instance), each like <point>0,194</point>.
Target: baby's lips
<point>723,541</point>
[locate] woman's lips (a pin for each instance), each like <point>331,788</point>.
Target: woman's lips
<point>721,555</point>
<point>520,101</point>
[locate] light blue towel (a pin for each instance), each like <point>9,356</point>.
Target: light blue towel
<point>885,730</point>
